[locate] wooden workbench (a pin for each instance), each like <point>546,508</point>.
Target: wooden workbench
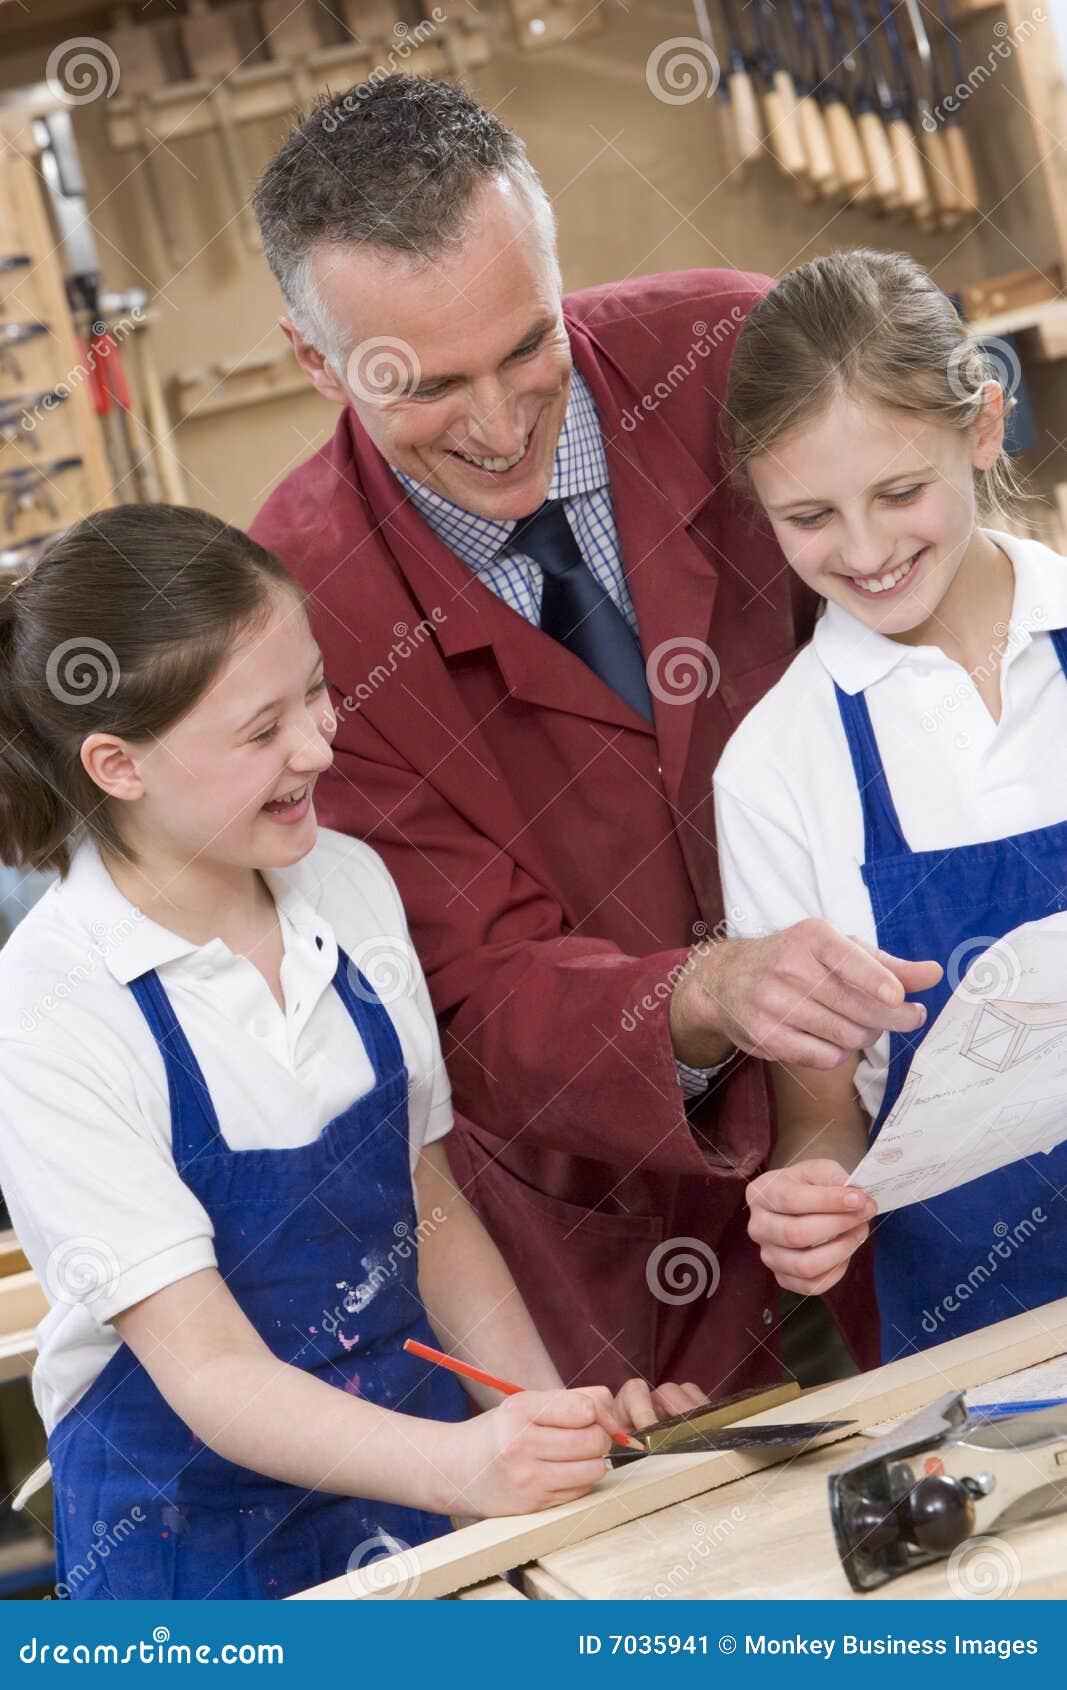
<point>738,1524</point>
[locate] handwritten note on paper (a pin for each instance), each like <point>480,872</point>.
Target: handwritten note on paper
<point>988,1083</point>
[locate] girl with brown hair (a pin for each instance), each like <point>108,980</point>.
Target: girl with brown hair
<point>222,1105</point>
<point>906,779</point>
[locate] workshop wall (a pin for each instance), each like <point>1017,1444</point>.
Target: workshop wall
<point>638,184</point>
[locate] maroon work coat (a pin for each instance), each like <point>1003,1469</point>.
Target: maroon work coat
<point>556,855</point>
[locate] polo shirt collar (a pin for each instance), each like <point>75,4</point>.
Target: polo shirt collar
<point>856,656</point>
<point>580,467</point>
<point>130,944</point>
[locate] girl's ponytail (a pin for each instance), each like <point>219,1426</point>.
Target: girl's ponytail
<point>121,626</point>
<point>34,820</point>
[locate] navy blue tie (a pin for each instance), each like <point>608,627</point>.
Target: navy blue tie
<point>576,610</point>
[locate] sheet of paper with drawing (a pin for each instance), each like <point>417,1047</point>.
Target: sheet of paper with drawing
<point>988,1083</point>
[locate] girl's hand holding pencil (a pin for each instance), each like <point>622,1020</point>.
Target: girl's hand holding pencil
<point>540,1448</point>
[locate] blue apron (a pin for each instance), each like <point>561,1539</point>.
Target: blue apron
<point>318,1245</point>
<point>926,904</point>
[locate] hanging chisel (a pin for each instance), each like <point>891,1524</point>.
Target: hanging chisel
<point>844,139</point>
<point>874,109</point>
<point>748,131</point>
<point>779,96</point>
<point>907,159</point>
<point>943,187</point>
<point>959,152</point>
<point>821,169</point>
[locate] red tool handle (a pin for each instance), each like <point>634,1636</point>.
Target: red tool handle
<point>107,378</point>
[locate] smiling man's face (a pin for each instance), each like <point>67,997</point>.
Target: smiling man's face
<point>463,358</point>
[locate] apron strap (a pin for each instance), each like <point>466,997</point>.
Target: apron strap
<point>373,1021</point>
<point>194,1124</point>
<point>195,1129</point>
<point>1059,640</point>
<point>882,832</point>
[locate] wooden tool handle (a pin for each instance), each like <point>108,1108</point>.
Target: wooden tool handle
<point>961,165</point>
<point>911,179</point>
<point>746,115</point>
<point>879,156</point>
<point>783,130</point>
<point>851,168</point>
<point>821,168</point>
<point>942,185</point>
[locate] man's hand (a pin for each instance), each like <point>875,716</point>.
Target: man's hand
<point>809,996</point>
<point>808,1222</point>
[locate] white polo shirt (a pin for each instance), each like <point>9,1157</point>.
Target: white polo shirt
<point>85,1131</point>
<point>790,824</point>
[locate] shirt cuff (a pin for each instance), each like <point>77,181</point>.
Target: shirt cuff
<point>695,1081</point>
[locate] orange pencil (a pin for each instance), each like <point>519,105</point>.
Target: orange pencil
<point>416,1349</point>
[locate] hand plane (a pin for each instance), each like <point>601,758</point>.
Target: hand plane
<point>945,1475</point>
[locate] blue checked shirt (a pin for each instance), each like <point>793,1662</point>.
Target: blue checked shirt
<point>580,479</point>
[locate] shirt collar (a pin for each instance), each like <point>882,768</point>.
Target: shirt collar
<point>130,943</point>
<point>857,656</point>
<point>580,467</point>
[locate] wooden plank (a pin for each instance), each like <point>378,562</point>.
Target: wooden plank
<point>22,1302</point>
<point>543,1586</point>
<point>493,1546</point>
<point>771,1534</point>
<point>493,1590</point>
<point>18,1352</point>
<point>12,1259</point>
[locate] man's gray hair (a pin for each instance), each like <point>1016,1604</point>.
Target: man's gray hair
<point>393,165</point>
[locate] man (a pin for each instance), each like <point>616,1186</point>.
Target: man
<point>530,712</point>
